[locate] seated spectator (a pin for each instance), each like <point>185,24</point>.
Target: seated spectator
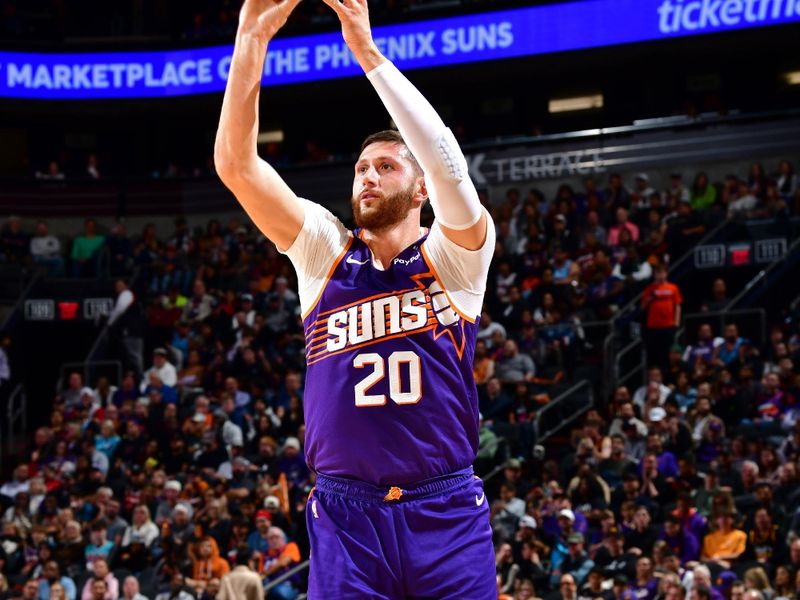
<point>14,242</point>
<point>109,590</point>
<point>513,365</point>
<point>725,544</point>
<point>85,250</point>
<point>99,546</point>
<point>281,556</point>
<point>577,563</point>
<point>682,542</point>
<point>208,565</point>
<point>162,368</point>
<point>703,194</point>
<point>655,381</point>
<point>46,250</point>
<point>51,578</point>
<point>622,223</point>
<point>137,539</point>
<point>177,590</point>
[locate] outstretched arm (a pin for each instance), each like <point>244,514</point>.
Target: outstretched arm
<point>452,194</point>
<point>271,204</point>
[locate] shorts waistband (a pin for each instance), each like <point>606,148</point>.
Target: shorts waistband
<point>360,490</point>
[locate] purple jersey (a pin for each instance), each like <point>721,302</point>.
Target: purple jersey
<point>390,397</point>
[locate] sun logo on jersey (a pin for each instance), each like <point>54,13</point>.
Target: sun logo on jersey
<point>424,307</point>
<point>449,322</point>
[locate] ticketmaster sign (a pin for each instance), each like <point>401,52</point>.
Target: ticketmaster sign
<point>496,35</point>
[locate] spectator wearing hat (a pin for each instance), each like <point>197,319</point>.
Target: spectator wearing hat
<point>257,540</point>
<point>169,500</point>
<point>293,463</point>
<point>162,369</point>
<point>246,315</point>
<point>577,562</point>
<point>178,531</point>
<point>640,197</point>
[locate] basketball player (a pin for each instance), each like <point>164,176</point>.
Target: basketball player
<point>390,313</point>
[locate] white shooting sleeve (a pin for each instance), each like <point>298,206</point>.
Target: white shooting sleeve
<point>451,192</point>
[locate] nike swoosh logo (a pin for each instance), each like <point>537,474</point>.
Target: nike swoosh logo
<point>353,261</point>
<point>479,501</point>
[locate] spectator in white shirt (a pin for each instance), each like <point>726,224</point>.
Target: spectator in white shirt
<point>19,483</point>
<point>654,380</point>
<point>46,250</point>
<point>163,368</point>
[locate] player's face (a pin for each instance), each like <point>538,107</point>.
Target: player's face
<point>384,187</point>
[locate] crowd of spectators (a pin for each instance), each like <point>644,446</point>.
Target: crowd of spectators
<point>155,486</point>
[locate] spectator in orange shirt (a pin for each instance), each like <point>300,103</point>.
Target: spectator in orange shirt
<point>725,544</point>
<point>281,557</point>
<point>661,302</point>
<point>208,565</point>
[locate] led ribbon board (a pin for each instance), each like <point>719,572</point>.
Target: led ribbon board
<point>488,36</point>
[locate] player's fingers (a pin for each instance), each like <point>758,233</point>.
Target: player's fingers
<point>336,5</point>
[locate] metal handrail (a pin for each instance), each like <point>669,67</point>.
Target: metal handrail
<point>762,275</point>
<point>540,436</point>
<point>38,273</point>
<point>610,357</point>
<point>634,303</point>
<point>13,415</point>
<point>290,573</point>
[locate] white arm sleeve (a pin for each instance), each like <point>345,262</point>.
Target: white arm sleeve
<point>317,248</point>
<point>462,273</point>
<point>451,192</point>
<point>124,300</point>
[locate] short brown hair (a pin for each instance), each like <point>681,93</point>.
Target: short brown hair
<point>392,136</point>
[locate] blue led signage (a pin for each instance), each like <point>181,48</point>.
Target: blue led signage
<point>529,31</point>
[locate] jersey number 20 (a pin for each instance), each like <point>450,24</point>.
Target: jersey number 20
<point>397,360</point>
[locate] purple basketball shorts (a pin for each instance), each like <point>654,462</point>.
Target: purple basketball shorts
<point>428,540</point>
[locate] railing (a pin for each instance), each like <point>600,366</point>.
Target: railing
<point>763,275</point>
<point>497,442</point>
<point>100,347</point>
<point>24,292</point>
<point>289,574</point>
<point>15,421</point>
<point>563,410</point>
<point>612,357</point>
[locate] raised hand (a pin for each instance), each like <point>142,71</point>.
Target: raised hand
<point>264,18</point>
<point>356,30</point>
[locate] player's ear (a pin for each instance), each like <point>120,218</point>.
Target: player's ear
<point>421,193</point>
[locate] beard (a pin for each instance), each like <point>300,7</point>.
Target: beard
<point>385,212</point>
